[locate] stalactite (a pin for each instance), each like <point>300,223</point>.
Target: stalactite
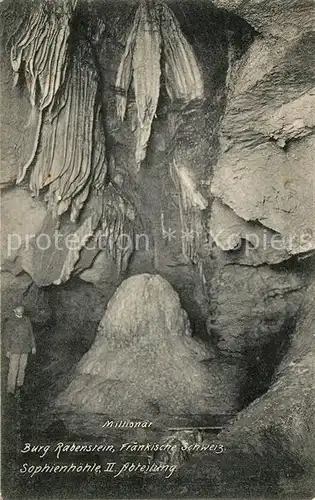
<point>182,74</point>
<point>191,204</point>
<point>67,163</point>
<point>69,160</point>
<point>117,227</point>
<point>39,53</point>
<point>141,64</point>
<point>155,46</point>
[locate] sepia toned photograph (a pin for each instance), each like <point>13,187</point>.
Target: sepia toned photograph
<point>157,249</point>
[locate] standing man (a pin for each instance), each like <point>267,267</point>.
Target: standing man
<point>19,341</point>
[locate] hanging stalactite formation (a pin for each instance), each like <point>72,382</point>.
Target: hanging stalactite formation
<point>64,163</point>
<point>39,55</point>
<point>117,227</point>
<point>141,65</point>
<point>181,70</point>
<point>68,163</point>
<point>69,160</point>
<point>155,46</point>
<point>146,75</point>
<point>41,47</point>
<point>191,205</point>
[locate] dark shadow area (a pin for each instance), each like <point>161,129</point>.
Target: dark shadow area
<point>262,363</point>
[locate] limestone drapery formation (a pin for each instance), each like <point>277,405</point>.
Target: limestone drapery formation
<point>39,55</point>
<point>155,48</point>
<point>68,164</point>
<point>70,172</point>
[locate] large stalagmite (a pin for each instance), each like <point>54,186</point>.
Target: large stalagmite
<point>144,362</point>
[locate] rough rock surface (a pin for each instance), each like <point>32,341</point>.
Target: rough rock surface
<point>263,185</point>
<point>273,17</point>
<point>18,230</point>
<point>54,252</point>
<point>252,244</point>
<point>289,403</point>
<point>279,427</point>
<point>251,316</point>
<point>250,306</point>
<point>269,447</point>
<point>265,170</point>
<point>144,362</point>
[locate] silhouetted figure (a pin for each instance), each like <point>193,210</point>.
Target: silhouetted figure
<point>19,341</point>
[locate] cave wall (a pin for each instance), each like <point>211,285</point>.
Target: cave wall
<point>268,127</point>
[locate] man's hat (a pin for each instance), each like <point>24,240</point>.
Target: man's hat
<point>17,308</point>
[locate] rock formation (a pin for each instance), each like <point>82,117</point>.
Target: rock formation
<point>267,131</point>
<point>271,442</point>
<point>144,362</point>
<point>282,421</point>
